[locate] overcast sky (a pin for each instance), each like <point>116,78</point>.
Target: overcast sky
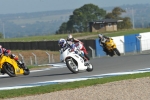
<point>26,6</point>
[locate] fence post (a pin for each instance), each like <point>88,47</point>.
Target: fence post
<point>48,57</point>
<point>35,58</point>
<point>22,58</point>
<point>53,59</point>
<point>93,52</point>
<point>31,60</point>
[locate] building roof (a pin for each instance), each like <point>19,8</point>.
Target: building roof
<point>107,21</point>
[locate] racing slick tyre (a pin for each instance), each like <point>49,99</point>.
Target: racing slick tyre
<point>111,53</point>
<point>71,66</point>
<point>9,69</point>
<point>117,51</point>
<point>89,67</point>
<point>26,71</point>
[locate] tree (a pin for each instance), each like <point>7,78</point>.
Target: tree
<point>126,24</point>
<point>117,11</point>
<point>63,28</point>
<point>115,14</point>
<point>81,17</point>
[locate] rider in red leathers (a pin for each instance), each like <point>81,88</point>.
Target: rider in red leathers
<point>4,51</point>
<point>78,44</point>
<point>8,53</point>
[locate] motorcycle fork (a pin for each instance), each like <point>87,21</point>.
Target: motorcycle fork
<point>73,62</point>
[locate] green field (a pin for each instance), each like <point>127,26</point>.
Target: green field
<point>77,35</point>
<point>50,18</point>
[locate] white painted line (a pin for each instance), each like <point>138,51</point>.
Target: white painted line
<point>71,80</point>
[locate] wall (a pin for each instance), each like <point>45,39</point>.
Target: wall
<point>145,41</point>
<point>128,43</point>
<point>131,43</point>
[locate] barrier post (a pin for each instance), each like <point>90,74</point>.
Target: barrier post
<point>35,58</point>
<point>48,57</point>
<point>93,52</point>
<point>139,38</point>
<point>123,46</point>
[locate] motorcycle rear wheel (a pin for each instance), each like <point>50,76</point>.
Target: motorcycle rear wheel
<point>26,72</point>
<point>70,64</point>
<point>89,67</point>
<point>111,53</point>
<point>25,69</point>
<point>9,69</point>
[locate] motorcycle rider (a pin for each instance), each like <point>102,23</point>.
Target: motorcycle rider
<point>78,44</point>
<point>70,38</point>
<point>63,44</point>
<point>8,53</point>
<point>102,41</point>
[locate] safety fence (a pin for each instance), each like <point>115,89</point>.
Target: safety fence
<point>41,45</point>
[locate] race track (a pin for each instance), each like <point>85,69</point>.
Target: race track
<point>103,65</point>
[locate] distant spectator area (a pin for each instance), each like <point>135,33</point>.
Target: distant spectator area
<point>104,25</point>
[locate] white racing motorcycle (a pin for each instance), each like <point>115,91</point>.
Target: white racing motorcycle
<point>75,62</point>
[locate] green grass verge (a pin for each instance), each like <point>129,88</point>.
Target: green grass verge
<point>57,37</point>
<point>30,66</point>
<point>66,86</point>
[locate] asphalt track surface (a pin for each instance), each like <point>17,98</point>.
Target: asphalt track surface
<point>102,65</point>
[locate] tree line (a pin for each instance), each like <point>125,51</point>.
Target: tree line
<point>71,21</point>
<point>79,20</point>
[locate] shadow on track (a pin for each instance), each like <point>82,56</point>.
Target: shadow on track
<point>51,75</point>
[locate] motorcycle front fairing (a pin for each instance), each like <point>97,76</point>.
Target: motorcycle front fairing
<point>110,44</point>
<point>63,54</point>
<point>79,60</point>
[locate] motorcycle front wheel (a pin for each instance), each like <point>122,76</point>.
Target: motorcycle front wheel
<point>117,51</point>
<point>72,66</point>
<point>9,69</point>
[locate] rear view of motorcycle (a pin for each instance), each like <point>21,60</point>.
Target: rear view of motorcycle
<point>111,48</point>
<point>12,67</point>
